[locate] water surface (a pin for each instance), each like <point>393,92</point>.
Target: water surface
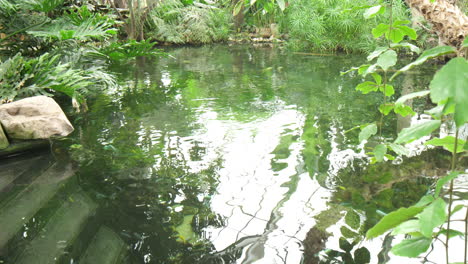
<point>219,154</point>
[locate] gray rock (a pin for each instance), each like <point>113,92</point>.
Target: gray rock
<point>36,117</point>
<point>3,139</point>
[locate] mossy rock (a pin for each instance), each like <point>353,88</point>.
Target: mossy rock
<point>4,143</point>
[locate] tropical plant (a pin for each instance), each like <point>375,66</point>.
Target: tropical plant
<point>334,25</point>
<point>173,22</point>
<point>430,218</point>
<point>121,51</point>
<point>21,77</point>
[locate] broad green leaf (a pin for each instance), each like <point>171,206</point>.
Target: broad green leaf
<point>451,233</point>
<point>373,11</point>
<point>412,247</point>
<point>387,59</point>
<point>395,35</point>
<point>367,132</point>
<point>432,216</point>
<point>377,78</point>
<point>345,245</point>
<point>448,143</point>
<point>367,87</point>
<point>417,131</point>
<point>403,110</point>
<point>410,226</point>
<point>388,91</point>
<point>380,30</point>
<point>392,220</point>
<point>399,149</point>
<point>426,55</point>
<point>363,68</point>
<point>281,4</point>
<point>410,46</point>
<point>452,82</point>
<point>436,112</point>
<point>362,255</point>
<point>442,181</point>
<point>407,97</point>
<point>347,233</point>
<point>379,152</point>
<point>376,53</point>
<point>425,200</point>
<point>411,33</point>
<point>353,219</point>
<point>386,108</point>
<point>465,42</point>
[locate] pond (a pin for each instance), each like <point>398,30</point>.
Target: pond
<point>216,154</point>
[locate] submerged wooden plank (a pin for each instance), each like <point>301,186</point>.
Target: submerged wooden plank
<point>25,204</point>
<point>12,170</point>
<point>106,248</point>
<point>59,232</point>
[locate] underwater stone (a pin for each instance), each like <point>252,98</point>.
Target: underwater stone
<point>37,117</point>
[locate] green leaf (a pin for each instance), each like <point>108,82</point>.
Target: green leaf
<point>387,59</point>
<point>392,220</point>
<point>353,219</point>
<point>451,82</point>
<point>409,96</point>
<point>373,11</point>
<point>403,110</point>
<point>412,247</point>
<point>407,31</point>
<point>432,216</point>
<point>425,200</point>
<point>379,152</point>
<point>426,55</point>
<point>452,233</point>
<point>399,149</point>
<point>442,181</point>
<point>376,53</point>
<point>388,91</point>
<point>346,232</point>
<point>395,35</point>
<point>377,78</point>
<point>362,255</point>
<point>345,245</point>
<point>410,226</point>
<point>367,87</point>
<point>457,208</point>
<point>410,46</point>
<point>417,131</point>
<point>447,143</point>
<point>386,108</point>
<point>380,30</point>
<point>367,132</point>
<point>465,42</point>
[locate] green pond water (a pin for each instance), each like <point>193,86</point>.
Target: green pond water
<point>216,154</point>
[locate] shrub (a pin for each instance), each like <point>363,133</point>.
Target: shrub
<point>334,25</point>
<point>173,22</point>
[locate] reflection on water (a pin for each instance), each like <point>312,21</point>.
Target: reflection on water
<point>222,155</point>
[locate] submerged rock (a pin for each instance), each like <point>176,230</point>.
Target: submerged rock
<point>38,117</point>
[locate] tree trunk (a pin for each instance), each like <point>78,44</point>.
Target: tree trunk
<point>448,21</point>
